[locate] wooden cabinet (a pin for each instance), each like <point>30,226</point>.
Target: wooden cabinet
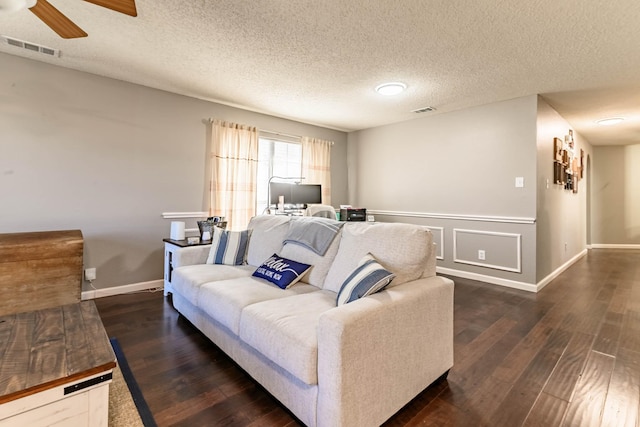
<point>56,368</point>
<point>40,270</point>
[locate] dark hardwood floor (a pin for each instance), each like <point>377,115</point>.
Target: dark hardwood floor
<point>566,356</point>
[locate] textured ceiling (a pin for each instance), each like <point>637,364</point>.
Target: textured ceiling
<point>319,61</point>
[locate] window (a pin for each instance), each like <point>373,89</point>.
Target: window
<point>275,158</point>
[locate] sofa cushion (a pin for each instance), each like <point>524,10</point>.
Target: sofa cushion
<point>228,247</point>
<point>285,331</point>
<point>320,264</point>
<point>281,271</point>
<point>402,248</point>
<point>368,278</point>
<point>267,235</point>
<point>188,279</point>
<point>224,300</point>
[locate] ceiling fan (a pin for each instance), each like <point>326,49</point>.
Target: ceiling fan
<point>57,21</point>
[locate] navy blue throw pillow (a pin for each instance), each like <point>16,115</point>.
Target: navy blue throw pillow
<point>281,271</point>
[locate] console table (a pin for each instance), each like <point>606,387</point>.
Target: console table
<point>55,367</point>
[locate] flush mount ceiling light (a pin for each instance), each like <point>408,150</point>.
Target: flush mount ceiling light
<point>610,121</point>
<point>392,88</point>
<point>16,5</point>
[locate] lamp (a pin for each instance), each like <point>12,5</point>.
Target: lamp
<point>298,178</point>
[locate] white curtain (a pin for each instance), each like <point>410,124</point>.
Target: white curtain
<point>316,164</point>
<point>232,163</point>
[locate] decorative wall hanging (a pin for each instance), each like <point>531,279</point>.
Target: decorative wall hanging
<point>567,166</point>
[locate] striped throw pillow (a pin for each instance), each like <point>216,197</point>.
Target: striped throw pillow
<point>368,278</point>
<point>228,247</point>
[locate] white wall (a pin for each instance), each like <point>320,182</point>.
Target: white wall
<point>616,196</point>
<point>459,162</point>
<point>456,171</point>
<point>561,214</point>
<point>108,157</point>
<point>79,151</point>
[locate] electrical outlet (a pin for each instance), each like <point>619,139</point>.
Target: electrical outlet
<point>90,274</point>
<point>481,255</point>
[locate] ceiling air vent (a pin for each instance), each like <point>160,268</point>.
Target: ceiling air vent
<point>424,110</point>
<point>30,46</point>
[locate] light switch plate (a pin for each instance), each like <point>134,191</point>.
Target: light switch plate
<point>519,181</point>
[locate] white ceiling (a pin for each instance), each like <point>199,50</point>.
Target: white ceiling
<point>319,61</point>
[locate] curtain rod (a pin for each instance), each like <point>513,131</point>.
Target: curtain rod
<point>284,134</point>
<point>287,135</point>
<point>279,133</point>
<point>211,120</point>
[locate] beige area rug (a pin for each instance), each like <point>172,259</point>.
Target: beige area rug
<point>122,410</point>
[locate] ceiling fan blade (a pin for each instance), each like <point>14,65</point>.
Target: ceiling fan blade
<point>56,20</point>
<point>128,7</point>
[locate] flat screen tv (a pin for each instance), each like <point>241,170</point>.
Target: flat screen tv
<point>295,194</point>
<point>306,194</point>
<point>277,189</point>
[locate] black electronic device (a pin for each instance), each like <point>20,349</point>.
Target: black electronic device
<point>295,194</point>
<point>306,194</point>
<point>353,214</point>
<point>278,189</point>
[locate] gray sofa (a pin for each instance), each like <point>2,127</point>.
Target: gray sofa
<point>350,365</point>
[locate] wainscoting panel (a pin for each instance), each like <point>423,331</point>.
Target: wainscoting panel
<point>509,244</point>
<point>438,239</point>
<point>502,251</point>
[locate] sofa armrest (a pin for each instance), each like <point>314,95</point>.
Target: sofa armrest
<point>191,255</point>
<point>378,353</point>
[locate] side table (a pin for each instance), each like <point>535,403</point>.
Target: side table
<point>170,246</point>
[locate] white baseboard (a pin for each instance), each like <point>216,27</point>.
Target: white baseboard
<point>488,279</point>
<point>125,289</point>
<point>613,246</point>
<point>512,283</point>
<point>544,282</point>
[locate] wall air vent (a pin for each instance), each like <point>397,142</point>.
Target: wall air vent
<point>424,110</point>
<point>30,46</point>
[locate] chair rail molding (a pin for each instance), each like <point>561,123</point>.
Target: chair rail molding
<point>176,215</point>
<point>464,217</point>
